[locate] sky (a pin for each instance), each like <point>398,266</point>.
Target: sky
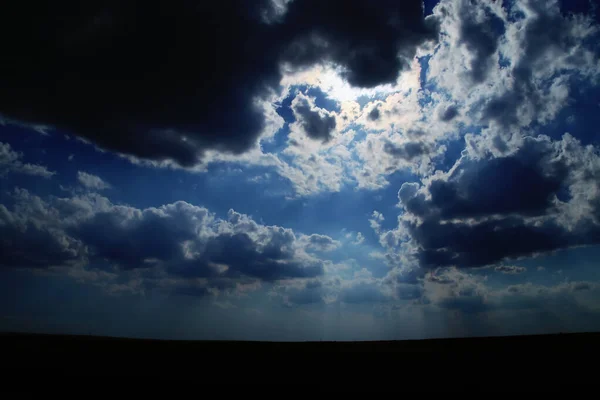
<point>295,170</point>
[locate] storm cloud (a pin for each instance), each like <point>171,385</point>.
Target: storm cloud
<point>169,81</point>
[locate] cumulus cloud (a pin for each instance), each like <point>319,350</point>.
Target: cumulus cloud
<point>541,55</point>
<point>498,60</point>
<point>177,245</point>
<point>91,181</point>
<point>543,198</point>
<point>320,242</point>
<point>11,161</point>
<point>116,93</point>
<point>313,173</point>
<point>316,123</point>
<point>385,153</point>
<point>189,242</point>
<point>479,31</point>
<point>313,166</point>
<point>32,236</point>
<point>359,239</point>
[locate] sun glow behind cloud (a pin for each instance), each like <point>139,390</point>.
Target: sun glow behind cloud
<point>329,79</point>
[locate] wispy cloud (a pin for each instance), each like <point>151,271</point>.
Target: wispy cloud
<point>92,181</point>
<point>11,161</point>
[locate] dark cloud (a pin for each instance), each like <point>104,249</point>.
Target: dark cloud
<point>582,286</point>
<point>374,114</point>
<point>31,237</point>
<point>25,244</point>
<point>317,123</point>
<point>474,245</point>
<point>241,255</point>
<point>406,151</point>
<point>168,81</point>
<point>365,39</point>
<point>133,239</point>
<point>181,240</point>
<point>481,36</point>
<point>479,214</point>
<point>126,237</point>
<point>525,183</point>
<point>449,114</point>
<point>504,108</point>
<point>510,269</point>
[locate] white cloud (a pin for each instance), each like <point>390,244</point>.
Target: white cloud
<point>91,181</point>
<point>359,239</point>
<point>318,242</point>
<point>10,161</point>
<point>527,69</point>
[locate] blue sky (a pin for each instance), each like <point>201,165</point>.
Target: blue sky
<point>448,186</point>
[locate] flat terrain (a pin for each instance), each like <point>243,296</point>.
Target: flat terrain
<point>517,360</point>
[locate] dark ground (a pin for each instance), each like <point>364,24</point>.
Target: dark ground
<point>535,362</point>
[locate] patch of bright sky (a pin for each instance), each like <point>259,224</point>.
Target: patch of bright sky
<point>329,81</point>
<point>427,87</point>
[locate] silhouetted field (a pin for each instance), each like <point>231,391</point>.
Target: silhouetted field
<point>505,361</point>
